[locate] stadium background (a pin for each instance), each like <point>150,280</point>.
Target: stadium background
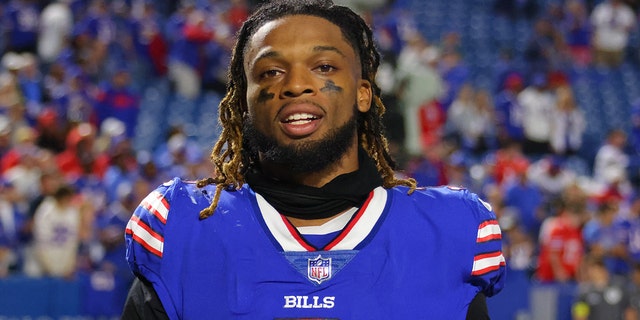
<point>113,84</point>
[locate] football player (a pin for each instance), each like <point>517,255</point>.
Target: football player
<point>304,218</point>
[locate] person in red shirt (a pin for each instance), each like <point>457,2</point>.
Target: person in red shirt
<point>561,241</point>
<point>81,157</point>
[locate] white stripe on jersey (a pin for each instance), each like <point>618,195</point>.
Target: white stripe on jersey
<point>487,262</point>
<point>146,237</point>
<point>357,234</point>
<point>489,230</point>
<point>157,205</point>
<point>367,221</point>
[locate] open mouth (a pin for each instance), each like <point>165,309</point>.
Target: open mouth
<point>300,118</point>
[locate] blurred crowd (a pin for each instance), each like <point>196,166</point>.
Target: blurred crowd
<point>73,73</point>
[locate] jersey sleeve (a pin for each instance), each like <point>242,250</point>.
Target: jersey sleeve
<point>489,265</point>
<point>144,236</point>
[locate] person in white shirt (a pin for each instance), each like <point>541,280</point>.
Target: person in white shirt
<point>57,234</point>
<point>537,105</point>
<point>612,22</point>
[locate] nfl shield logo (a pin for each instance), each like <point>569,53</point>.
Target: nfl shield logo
<point>319,269</point>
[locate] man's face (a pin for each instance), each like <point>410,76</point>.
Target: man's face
<point>304,88</point>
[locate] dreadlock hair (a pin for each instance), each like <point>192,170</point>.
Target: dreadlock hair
<point>228,156</point>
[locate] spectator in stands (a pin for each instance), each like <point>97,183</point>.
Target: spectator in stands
<point>470,118</point>
<point>185,57</point>
<point>537,105</point>
<point>122,168</point>
<point>10,95</point>
<point>418,83</point>
<point>49,182</point>
<point>551,175</point>
<point>459,113</point>
<point>634,291</point>
<point>148,38</point>
<point>111,277</point>
<point>432,120</point>
<point>487,140</point>
<point>457,166</point>
<point>634,137</point>
<point>56,233</point>
<point>56,24</point>
<point>634,144</point>
<point>25,173</point>
<point>605,237</point>
<point>506,162</point>
<point>508,111</point>
<point>545,48</point>
<point>526,200</point>
<point>455,73</point>
<point>632,235</point>
<point>30,83</point>
<point>519,246</point>
<point>78,103</point>
<point>81,156</point>
<point>577,33</point>
<point>94,34</point>
<point>20,21</point>
<point>11,220</point>
<point>5,135</point>
<point>179,156</point>
<point>118,100</point>
<point>601,295</point>
<point>611,163</point>
<point>110,226</point>
<point>51,131</point>
<point>148,169</point>
<point>430,168</point>
<point>569,123</point>
<point>613,21</point>
<point>561,242</point>
<point>55,84</point>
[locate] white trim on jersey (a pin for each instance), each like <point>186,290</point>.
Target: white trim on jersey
<point>485,263</point>
<point>156,203</point>
<point>146,237</point>
<point>360,230</point>
<point>489,230</point>
<point>336,224</point>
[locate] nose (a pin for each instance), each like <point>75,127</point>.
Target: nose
<point>297,82</point>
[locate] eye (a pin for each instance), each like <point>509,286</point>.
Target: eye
<point>326,68</point>
<point>270,74</point>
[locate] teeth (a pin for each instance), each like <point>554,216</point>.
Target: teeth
<point>300,118</point>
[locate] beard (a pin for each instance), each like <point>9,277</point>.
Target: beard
<point>305,156</point>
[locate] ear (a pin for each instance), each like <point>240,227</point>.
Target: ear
<point>365,95</point>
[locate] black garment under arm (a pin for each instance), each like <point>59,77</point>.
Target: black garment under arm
<point>478,308</point>
<point>143,303</point>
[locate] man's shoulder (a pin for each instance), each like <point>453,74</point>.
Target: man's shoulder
<point>449,201</point>
<point>181,194</point>
<point>167,222</point>
<point>436,193</point>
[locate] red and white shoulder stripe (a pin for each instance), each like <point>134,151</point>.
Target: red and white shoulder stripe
<point>154,207</point>
<point>488,230</point>
<point>156,203</point>
<point>487,262</point>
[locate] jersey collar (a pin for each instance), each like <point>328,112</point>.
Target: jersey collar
<point>358,229</point>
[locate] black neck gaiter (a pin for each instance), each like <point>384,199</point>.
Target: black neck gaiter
<point>305,202</point>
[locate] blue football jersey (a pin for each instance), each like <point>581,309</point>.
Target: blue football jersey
<point>419,256</point>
